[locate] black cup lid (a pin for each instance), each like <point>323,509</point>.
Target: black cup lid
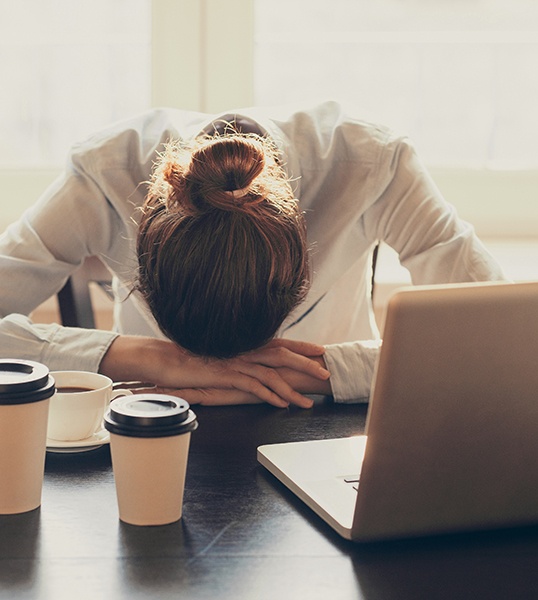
<point>150,415</point>
<point>23,381</point>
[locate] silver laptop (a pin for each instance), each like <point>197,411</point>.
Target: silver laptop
<point>452,427</point>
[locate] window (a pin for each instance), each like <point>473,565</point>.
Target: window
<point>458,76</point>
<point>68,68</point>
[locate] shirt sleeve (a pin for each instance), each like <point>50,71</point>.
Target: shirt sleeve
<point>60,348</point>
<point>411,215</point>
<point>73,219</point>
<point>433,243</point>
<point>351,366</point>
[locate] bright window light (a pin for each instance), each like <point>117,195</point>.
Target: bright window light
<point>68,68</point>
<point>459,76</point>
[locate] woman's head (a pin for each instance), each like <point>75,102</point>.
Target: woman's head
<point>221,245</point>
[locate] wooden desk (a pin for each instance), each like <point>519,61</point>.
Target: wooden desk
<point>243,535</point>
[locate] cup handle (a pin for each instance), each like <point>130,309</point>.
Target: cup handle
<point>120,392</point>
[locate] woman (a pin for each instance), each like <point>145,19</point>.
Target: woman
<point>208,224</point>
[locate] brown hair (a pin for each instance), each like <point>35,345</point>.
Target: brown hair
<point>221,245</point>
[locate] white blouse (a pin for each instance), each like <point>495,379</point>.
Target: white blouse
<point>356,182</point>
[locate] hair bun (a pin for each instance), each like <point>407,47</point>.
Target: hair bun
<point>222,173</point>
<point>229,173</point>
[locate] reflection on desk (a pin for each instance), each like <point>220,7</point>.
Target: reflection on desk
<point>243,534</point>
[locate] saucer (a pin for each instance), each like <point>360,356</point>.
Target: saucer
<point>92,443</point>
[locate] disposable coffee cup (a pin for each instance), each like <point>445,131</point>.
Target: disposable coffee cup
<point>25,391</point>
<point>78,407</point>
<point>149,443</point>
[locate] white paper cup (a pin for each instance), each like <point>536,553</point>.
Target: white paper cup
<point>78,415</point>
<point>25,390</point>
<point>149,444</point>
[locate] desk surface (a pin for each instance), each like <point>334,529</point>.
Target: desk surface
<point>243,535</point>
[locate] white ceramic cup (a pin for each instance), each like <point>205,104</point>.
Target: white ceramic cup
<point>78,415</point>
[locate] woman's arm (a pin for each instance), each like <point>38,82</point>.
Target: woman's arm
<point>413,218</point>
<point>278,373</point>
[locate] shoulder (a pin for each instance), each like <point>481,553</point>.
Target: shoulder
<point>131,143</point>
<point>329,131</point>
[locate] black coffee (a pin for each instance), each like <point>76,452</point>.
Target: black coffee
<point>72,390</point>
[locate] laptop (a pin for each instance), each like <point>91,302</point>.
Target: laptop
<point>451,438</point>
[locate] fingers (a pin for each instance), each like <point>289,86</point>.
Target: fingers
<point>222,397</point>
<point>232,382</point>
<point>253,377</point>
<point>258,384</point>
<point>299,347</point>
<point>279,356</point>
<point>267,384</point>
<point>213,396</point>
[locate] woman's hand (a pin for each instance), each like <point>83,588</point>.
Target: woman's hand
<point>267,374</point>
<point>299,381</point>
